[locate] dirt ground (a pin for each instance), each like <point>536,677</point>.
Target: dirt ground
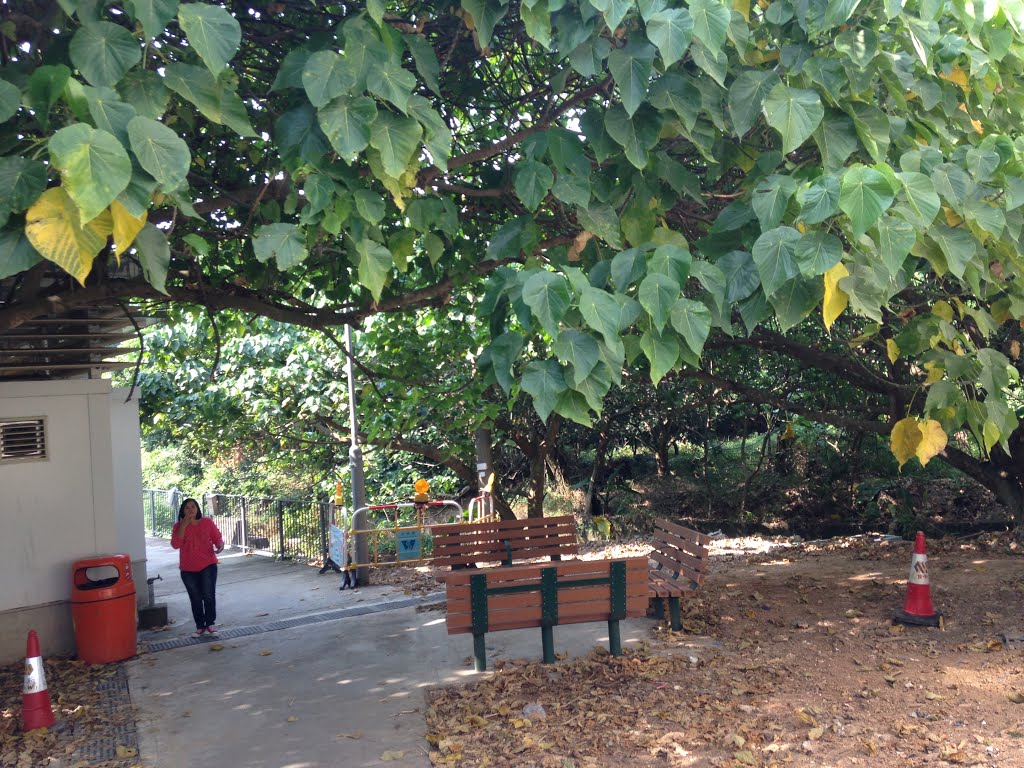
<point>788,657</point>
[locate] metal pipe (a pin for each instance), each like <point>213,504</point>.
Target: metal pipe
<point>355,461</point>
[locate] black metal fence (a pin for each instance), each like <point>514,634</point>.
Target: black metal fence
<point>285,528</point>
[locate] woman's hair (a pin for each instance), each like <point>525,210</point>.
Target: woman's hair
<point>181,509</point>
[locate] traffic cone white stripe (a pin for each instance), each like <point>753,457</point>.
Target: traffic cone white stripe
<point>35,675</point>
<point>918,570</point>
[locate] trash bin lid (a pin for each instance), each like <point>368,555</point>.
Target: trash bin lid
<point>101,578</point>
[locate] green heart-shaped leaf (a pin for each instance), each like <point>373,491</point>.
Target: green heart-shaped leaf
<point>103,52</point>
<point>212,31</point>
<point>94,166</point>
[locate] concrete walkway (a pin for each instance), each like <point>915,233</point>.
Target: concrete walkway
<point>334,693</point>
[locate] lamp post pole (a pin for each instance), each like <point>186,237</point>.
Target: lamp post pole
<point>355,462</point>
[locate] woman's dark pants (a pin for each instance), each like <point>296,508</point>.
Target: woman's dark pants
<point>201,586</point>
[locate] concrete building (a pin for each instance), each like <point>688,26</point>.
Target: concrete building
<point>70,488</point>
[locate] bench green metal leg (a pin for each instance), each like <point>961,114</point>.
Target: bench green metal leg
<point>547,635</point>
<point>659,608</point>
<point>677,620</point>
<point>614,640</point>
<point>479,654</point>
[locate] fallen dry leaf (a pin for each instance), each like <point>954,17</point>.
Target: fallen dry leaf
<point>265,652</point>
<point>216,646</point>
<point>292,719</point>
<point>353,735</point>
<point>390,755</point>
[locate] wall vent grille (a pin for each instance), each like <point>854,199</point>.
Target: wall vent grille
<point>22,439</point>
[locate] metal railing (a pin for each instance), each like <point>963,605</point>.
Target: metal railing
<point>284,528</point>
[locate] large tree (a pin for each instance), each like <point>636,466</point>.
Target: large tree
<point>629,176</point>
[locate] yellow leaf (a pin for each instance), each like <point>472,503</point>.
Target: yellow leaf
<point>265,652</point>
<point>933,440</point>
<point>892,349</point>
<point>746,757</point>
<point>1016,697</point>
<point>905,438</point>
<point>935,373</point>
<point>391,755</point>
<point>836,299</point>
<point>53,227</point>
<point>801,227</point>
<point>217,647</point>
<point>293,719</point>
<point>957,76</point>
<point>944,310</point>
<point>123,752</point>
<point>952,217</point>
<point>805,716</point>
<point>815,733</point>
<point>126,227</point>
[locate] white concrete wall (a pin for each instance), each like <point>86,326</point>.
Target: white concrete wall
<point>127,453</point>
<point>63,508</point>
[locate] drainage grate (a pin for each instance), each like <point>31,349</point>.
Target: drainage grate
<point>316,618</point>
<point>114,701</point>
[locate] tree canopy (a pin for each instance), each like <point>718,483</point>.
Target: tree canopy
<point>609,181</point>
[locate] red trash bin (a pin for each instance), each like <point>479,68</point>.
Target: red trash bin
<point>103,609</point>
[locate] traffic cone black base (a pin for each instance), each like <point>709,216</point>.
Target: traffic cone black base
<point>910,620</point>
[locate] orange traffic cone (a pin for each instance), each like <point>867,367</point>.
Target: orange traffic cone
<point>917,608</point>
<point>35,699</point>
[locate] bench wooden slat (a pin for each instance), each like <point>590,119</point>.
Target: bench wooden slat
<point>495,541</point>
<point>666,587</point>
<point>503,534</point>
<point>524,616</point>
<point>681,530</point>
<point>529,522</point>
<point>459,597</point>
<point>526,572</point>
<point>676,567</point>
<point>496,557</point>
<point>682,557</point>
<point>459,546</point>
<point>671,544</point>
<point>585,602</point>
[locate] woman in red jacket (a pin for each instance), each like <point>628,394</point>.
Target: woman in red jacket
<point>198,540</point>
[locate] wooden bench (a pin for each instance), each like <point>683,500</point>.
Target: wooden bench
<point>681,555</point>
<point>461,545</point>
<point>544,595</point>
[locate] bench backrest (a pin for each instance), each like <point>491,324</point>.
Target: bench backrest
<point>575,592</point>
<point>504,541</point>
<point>681,551</point>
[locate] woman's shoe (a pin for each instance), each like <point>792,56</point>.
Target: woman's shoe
<point>199,632</point>
<point>211,630</point>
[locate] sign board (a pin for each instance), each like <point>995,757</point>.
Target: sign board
<point>408,545</point>
<point>337,545</point>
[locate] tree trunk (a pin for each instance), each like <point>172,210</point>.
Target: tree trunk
<point>538,462</point>
<point>1002,474</point>
<point>597,470</point>
<point>661,454</point>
